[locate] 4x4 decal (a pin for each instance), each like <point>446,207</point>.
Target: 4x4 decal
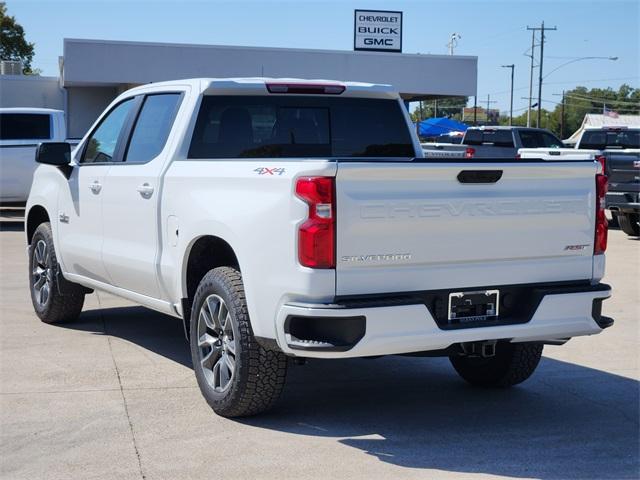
<point>269,171</point>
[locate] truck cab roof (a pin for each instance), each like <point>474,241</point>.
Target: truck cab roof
<point>267,86</point>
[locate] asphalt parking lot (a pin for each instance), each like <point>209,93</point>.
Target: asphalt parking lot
<point>114,396</point>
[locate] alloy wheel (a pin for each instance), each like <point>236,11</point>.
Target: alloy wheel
<point>217,343</point>
<point>42,275</point>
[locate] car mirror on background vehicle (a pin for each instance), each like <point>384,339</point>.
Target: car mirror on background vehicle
<point>54,153</point>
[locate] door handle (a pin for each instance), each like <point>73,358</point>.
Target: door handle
<point>95,187</point>
<point>479,176</point>
<point>145,190</point>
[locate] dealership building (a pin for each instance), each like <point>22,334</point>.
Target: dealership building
<point>94,72</point>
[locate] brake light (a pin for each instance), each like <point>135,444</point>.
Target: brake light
<point>469,152</point>
<point>603,161</point>
<point>316,236</point>
<point>306,88</point>
<point>602,227</point>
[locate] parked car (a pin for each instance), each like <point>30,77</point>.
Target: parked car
<point>494,142</point>
<point>620,151</point>
<point>295,218</point>
<point>21,130</point>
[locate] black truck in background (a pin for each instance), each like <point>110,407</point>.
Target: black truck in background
<point>620,147</point>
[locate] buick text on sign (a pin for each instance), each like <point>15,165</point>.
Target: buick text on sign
<point>378,30</point>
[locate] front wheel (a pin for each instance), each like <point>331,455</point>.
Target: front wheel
<point>236,375</point>
<point>50,304</point>
<point>629,223</point>
<point>513,363</point>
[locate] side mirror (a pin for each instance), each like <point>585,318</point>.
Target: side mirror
<point>54,153</point>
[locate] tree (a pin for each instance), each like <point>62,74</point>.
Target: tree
<point>446,107</point>
<point>13,44</point>
<point>580,101</point>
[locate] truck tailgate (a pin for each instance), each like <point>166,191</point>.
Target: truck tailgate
<point>405,227</point>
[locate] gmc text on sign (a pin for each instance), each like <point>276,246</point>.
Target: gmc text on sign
<point>377,30</point>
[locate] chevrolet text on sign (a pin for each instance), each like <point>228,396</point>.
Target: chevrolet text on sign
<point>377,30</point>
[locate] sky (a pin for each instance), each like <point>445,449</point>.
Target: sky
<point>494,31</point>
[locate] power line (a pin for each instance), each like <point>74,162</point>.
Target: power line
<point>604,100</point>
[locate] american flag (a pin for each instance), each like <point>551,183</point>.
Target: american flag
<point>609,113</point>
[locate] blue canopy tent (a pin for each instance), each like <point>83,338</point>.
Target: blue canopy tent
<point>432,127</point>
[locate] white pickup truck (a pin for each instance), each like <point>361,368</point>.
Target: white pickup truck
<point>21,130</point>
<point>293,218</point>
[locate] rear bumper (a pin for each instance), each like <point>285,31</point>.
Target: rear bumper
<point>625,202</point>
<point>378,329</point>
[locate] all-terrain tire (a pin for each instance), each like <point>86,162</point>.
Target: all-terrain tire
<point>629,223</point>
<point>512,364</point>
<point>259,374</point>
<point>52,306</point>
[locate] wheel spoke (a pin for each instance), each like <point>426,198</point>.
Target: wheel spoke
<point>230,362</point>
<point>44,294</point>
<point>39,250</point>
<point>210,358</point>
<point>206,340</point>
<point>205,317</point>
<point>40,281</point>
<point>214,305</point>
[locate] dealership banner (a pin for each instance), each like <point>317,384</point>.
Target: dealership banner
<point>377,30</point>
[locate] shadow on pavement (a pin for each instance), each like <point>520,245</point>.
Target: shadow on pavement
<point>567,421</point>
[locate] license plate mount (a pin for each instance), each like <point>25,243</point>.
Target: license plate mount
<point>475,306</point>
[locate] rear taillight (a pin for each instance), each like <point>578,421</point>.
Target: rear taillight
<point>306,88</point>
<point>316,236</point>
<point>602,160</point>
<point>469,152</point>
<point>600,241</point>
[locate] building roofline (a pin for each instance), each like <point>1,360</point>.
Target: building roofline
<point>237,47</point>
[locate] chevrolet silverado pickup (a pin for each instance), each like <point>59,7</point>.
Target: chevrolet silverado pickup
<point>493,142</point>
<point>620,154</point>
<point>286,218</point>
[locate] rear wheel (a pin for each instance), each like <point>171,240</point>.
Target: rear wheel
<point>513,363</point>
<point>629,223</point>
<point>50,304</point>
<point>236,375</point>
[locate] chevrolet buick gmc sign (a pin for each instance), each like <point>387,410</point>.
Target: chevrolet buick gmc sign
<point>377,30</point>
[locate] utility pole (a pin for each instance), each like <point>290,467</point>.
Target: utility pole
<point>542,29</point>
<point>562,117</point>
<point>533,46</point>
<point>475,110</point>
<point>435,108</point>
<point>512,67</point>
<point>489,102</point>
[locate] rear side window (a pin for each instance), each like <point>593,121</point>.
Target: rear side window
<point>152,127</point>
<point>311,127</point>
<point>499,138</point>
<point>25,126</point>
<point>602,139</point>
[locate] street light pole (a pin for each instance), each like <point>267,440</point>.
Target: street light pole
<point>512,67</point>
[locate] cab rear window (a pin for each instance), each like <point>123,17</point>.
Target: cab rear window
<point>301,127</point>
<point>602,139</point>
<point>499,138</point>
<point>25,126</point>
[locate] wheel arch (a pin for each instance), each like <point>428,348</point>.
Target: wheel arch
<point>36,216</point>
<point>203,254</point>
